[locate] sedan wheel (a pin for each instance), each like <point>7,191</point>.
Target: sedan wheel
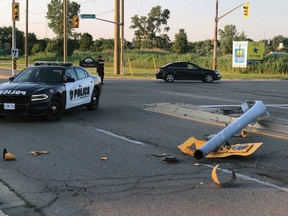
<point>208,78</point>
<point>169,78</point>
<point>56,109</point>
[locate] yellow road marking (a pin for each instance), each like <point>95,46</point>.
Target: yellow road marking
<point>3,77</point>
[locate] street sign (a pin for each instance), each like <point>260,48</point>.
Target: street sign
<point>14,53</point>
<point>88,16</point>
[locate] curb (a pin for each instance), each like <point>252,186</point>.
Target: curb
<point>8,199</point>
<point>210,114</point>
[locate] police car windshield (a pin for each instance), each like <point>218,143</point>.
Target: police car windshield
<point>40,74</point>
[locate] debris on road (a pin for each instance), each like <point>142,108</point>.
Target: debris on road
<point>224,175</point>
<point>36,153</point>
<point>7,155</point>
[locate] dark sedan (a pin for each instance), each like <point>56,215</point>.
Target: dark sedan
<point>186,71</point>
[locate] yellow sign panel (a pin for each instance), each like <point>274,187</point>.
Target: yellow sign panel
<point>255,50</point>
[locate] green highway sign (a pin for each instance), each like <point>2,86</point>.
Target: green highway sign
<point>88,16</point>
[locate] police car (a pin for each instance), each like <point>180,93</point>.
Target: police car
<point>48,89</point>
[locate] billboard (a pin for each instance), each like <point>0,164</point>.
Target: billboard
<point>255,51</point>
<point>244,51</point>
<point>240,53</point>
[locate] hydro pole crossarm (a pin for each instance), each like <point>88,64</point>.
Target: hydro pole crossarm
<point>218,18</point>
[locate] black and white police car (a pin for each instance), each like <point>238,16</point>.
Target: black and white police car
<point>48,89</point>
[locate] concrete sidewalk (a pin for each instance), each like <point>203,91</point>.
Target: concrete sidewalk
<point>11,204</point>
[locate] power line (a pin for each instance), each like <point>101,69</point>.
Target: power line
<point>105,12</point>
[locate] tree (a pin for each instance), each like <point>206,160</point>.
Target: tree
<point>55,46</point>
<point>201,48</point>
<point>148,29</point>
<point>227,36</point>
<point>86,42</point>
<point>277,40</point>
<point>36,48</point>
<point>180,44</point>
<point>55,16</point>
<point>32,40</point>
<point>103,44</point>
<point>6,38</point>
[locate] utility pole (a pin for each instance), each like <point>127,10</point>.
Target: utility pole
<point>26,35</point>
<point>65,7</point>
<point>122,38</point>
<point>215,38</point>
<point>116,37</point>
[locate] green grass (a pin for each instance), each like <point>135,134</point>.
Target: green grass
<point>142,64</point>
<point>150,74</point>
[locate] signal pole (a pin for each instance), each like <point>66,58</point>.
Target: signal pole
<point>26,35</point>
<point>65,7</point>
<point>122,38</point>
<point>14,62</point>
<point>116,37</point>
<point>216,28</point>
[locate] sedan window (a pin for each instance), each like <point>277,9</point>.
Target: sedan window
<point>192,66</point>
<point>179,65</point>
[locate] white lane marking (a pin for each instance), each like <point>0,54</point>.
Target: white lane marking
<point>253,179</point>
<point>120,137</point>
<point>207,165</point>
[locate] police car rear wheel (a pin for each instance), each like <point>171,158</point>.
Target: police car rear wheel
<point>93,105</point>
<point>55,109</point>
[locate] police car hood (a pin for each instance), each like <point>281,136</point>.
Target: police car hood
<point>25,88</point>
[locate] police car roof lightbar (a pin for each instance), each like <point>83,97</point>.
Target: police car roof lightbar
<point>36,63</point>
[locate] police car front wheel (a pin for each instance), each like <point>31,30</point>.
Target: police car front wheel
<point>93,105</point>
<point>56,109</point>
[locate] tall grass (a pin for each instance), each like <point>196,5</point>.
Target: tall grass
<point>144,62</point>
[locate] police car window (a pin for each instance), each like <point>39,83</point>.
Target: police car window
<point>24,76</point>
<point>48,75</point>
<point>72,73</point>
<point>27,75</point>
<point>81,73</point>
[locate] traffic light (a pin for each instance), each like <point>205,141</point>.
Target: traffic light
<point>75,22</point>
<point>246,10</point>
<point>15,11</point>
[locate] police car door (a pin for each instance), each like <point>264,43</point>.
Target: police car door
<point>83,91</point>
<point>71,99</point>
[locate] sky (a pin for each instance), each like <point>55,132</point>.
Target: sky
<point>267,18</point>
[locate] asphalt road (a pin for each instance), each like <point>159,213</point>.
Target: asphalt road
<point>73,180</point>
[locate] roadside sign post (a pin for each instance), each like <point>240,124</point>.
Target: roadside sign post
<point>14,53</point>
<point>14,56</point>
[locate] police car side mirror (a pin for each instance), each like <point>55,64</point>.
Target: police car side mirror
<point>70,79</point>
<point>11,78</point>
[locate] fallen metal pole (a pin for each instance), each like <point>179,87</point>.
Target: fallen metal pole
<point>257,110</point>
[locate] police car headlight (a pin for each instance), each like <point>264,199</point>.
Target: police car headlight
<point>39,97</point>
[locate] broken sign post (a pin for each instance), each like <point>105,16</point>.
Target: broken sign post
<point>215,147</point>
